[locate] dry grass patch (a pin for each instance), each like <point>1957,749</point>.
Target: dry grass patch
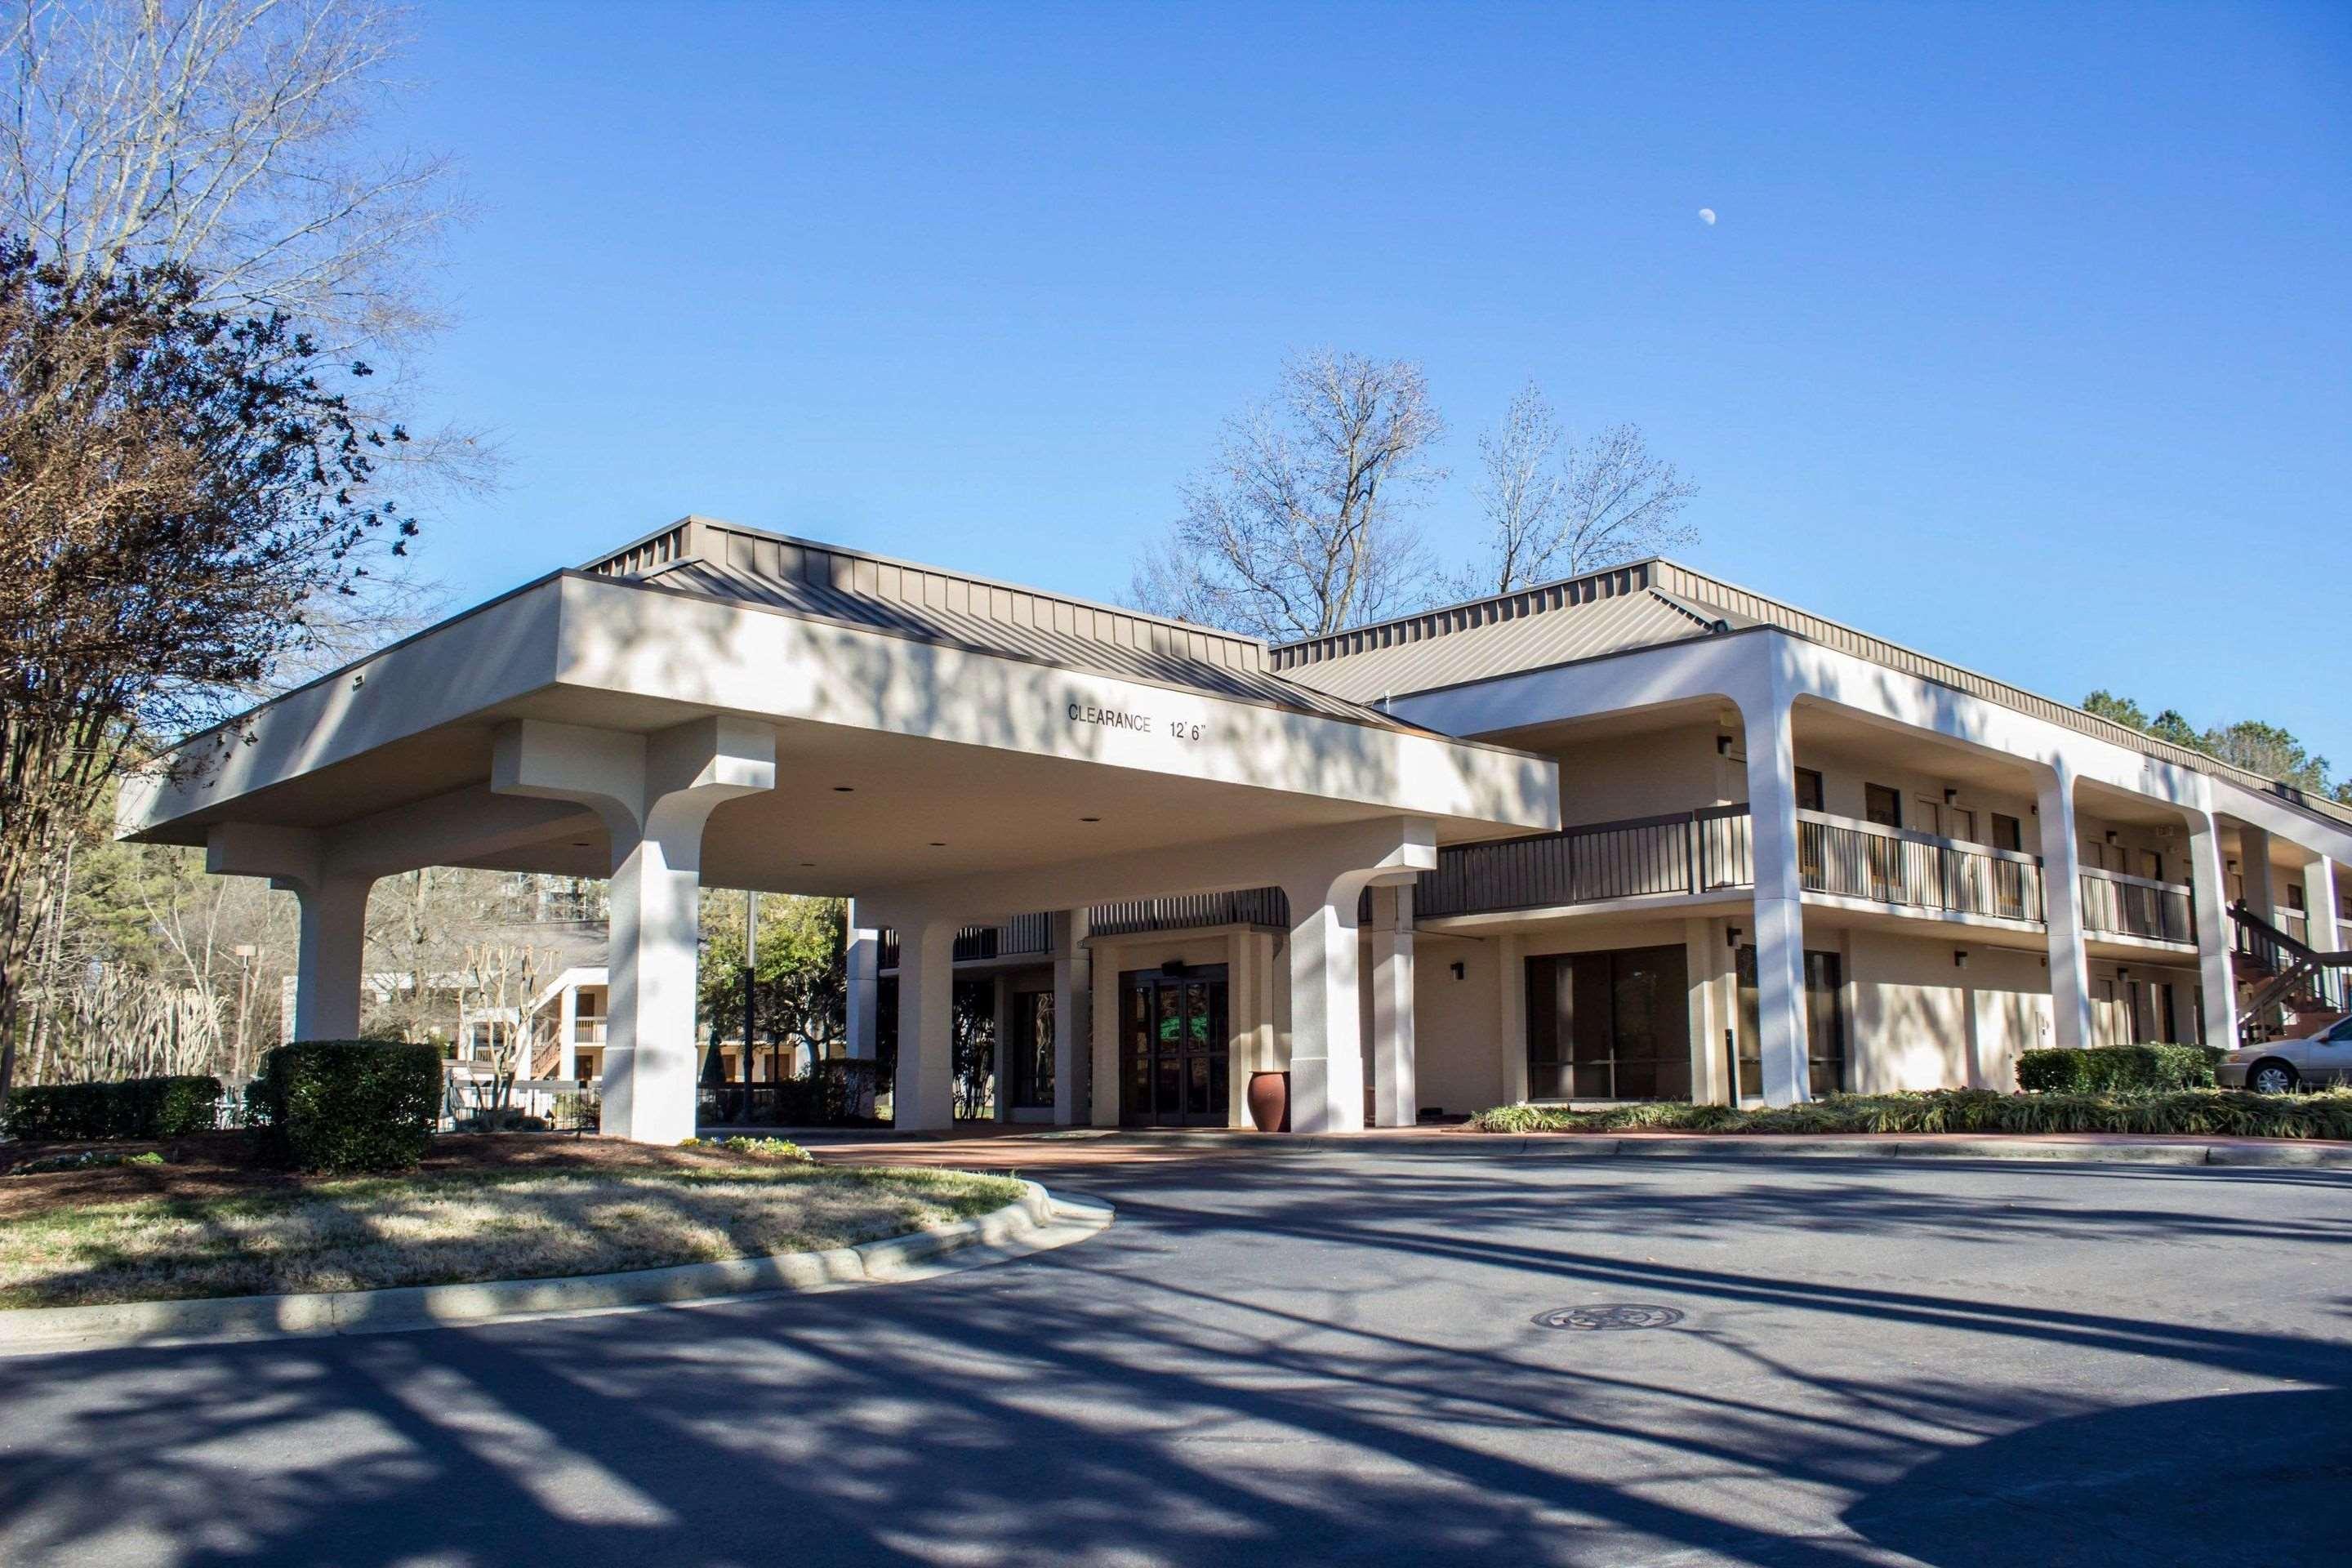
<point>436,1228</point>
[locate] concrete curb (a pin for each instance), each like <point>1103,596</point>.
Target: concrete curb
<point>2272,1152</point>
<point>1036,1222</point>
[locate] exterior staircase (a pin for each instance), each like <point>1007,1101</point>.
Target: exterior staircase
<point>2288,989</point>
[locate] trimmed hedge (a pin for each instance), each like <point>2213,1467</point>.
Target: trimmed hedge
<point>2117,1070</point>
<point>133,1108</point>
<point>2194,1112</point>
<point>348,1105</point>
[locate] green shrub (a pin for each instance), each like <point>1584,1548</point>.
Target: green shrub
<point>348,1105</point>
<point>2187,1113</point>
<point>2117,1070</point>
<point>134,1108</point>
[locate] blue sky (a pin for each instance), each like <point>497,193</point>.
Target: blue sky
<point>2022,336</point>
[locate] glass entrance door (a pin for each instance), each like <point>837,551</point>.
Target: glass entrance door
<point>1175,1066</point>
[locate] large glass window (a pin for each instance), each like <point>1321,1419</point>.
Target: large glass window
<point>1609,1025</point>
<point>1033,1049</point>
<point>1824,1026</point>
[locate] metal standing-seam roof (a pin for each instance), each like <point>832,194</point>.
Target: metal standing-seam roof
<point>953,609</point>
<point>1656,601</point>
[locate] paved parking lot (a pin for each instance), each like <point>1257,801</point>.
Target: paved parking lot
<point>1325,1357</point>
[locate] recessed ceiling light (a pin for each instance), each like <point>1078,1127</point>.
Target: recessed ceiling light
<point>939,843</point>
<point>580,844</point>
<point>1090,819</point>
<point>805,864</point>
<point>845,789</point>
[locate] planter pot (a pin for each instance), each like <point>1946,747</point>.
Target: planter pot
<point>1269,1101</point>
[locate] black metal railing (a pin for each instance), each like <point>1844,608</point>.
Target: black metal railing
<point>1639,857</point>
<point>2117,905</point>
<point>1713,849</point>
<point>1016,938</point>
<point>1844,859</point>
<point>1248,906</point>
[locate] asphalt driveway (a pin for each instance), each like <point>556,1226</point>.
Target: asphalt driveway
<point>1323,1357</point>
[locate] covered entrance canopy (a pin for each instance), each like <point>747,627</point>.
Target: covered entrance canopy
<point>716,704</point>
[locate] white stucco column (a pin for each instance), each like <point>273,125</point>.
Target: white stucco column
<point>2061,899</point>
<point>1779,896</point>
<point>1511,1012</point>
<point>999,1013</point>
<point>1073,1015</point>
<point>2254,868</point>
<point>332,900</point>
<point>2319,904</point>
<point>1396,1099</point>
<point>924,1092</point>
<point>654,793</point>
<point>567,1037</point>
<point>1327,1030</point>
<point>2209,898</point>
<point>332,954</point>
<point>861,963</point>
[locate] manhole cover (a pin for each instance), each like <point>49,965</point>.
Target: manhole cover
<point>1613,1315</point>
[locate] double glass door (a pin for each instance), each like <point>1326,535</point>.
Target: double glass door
<point>1175,1068</point>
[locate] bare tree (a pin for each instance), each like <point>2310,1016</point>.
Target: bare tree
<point>1555,507</point>
<point>500,983</point>
<point>1299,527</point>
<point>222,135</point>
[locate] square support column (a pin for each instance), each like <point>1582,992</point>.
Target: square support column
<point>2210,900</point>
<point>2254,869</point>
<point>1326,1064</point>
<point>1326,1027</point>
<point>2062,897</point>
<point>1780,899</point>
<point>1073,1015</point>
<point>655,794</point>
<point>1396,1097</point>
<point>1511,1013</point>
<point>924,1094</point>
<point>862,981</point>
<point>332,955</point>
<point>2319,905</point>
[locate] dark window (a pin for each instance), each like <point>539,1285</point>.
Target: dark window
<point>1809,790</point>
<point>1609,1025</point>
<point>1824,1026</point>
<point>1882,805</point>
<point>1033,1049</point>
<point>2008,833</point>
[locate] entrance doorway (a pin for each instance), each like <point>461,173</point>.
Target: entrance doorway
<point>1175,1055</point>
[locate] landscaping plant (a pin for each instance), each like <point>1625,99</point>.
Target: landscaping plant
<point>2188,1112</point>
<point>348,1105</point>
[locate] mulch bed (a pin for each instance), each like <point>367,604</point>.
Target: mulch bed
<point>209,1164</point>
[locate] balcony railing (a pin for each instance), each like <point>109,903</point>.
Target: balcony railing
<point>1712,850</point>
<point>1021,935</point>
<point>2117,905</point>
<point>1845,858</point>
<point>1250,906</point>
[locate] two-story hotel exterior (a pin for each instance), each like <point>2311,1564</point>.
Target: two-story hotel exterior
<point>1639,833</point>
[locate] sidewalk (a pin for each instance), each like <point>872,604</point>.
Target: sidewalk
<point>981,1146</point>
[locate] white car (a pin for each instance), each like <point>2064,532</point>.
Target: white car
<point>2279,1067</point>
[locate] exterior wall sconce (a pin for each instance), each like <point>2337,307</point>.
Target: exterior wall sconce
<point>1950,796</point>
<point>1959,957</point>
<point>1731,938</point>
<point>2113,836</point>
<point>1723,745</point>
<point>1457,969</point>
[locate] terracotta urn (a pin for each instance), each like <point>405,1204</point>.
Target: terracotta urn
<point>1269,1101</point>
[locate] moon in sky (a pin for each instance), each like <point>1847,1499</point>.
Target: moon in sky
<point>1707,216</point>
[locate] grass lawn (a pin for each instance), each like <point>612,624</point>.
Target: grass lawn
<point>481,1208</point>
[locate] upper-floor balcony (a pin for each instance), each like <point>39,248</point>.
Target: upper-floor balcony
<point>1712,851</point>
<point>1689,854</point>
